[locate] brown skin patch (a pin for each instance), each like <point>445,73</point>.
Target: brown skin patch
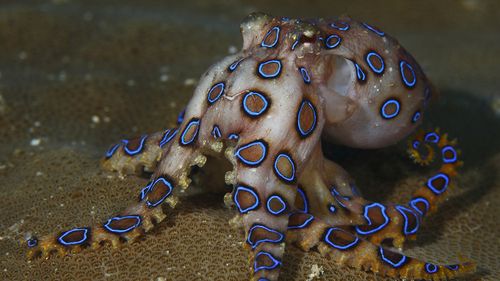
<point>74,236</point>
<point>122,224</point>
<point>135,143</point>
<point>376,217</point>
<point>341,237</point>
<point>215,91</point>
<point>271,37</point>
<point>438,183</point>
<point>190,132</point>
<point>269,69</point>
<point>245,198</point>
<point>285,167</point>
<point>255,103</point>
<point>298,219</point>
<point>264,260</point>
<point>158,191</point>
<point>259,234</point>
<point>306,116</point>
<point>252,153</point>
<point>276,205</point>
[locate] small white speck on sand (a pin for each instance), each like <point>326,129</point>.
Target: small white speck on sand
<point>88,16</point>
<point>164,77</point>
<point>106,119</point>
<point>37,124</point>
<point>161,278</point>
<point>232,49</point>
<point>38,174</point>
<point>62,76</point>
<point>189,82</point>
<point>95,119</point>
<point>23,55</point>
<point>35,142</point>
<point>131,83</point>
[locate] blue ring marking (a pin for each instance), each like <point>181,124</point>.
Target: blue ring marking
<point>453,267</point>
<point>283,205</point>
<point>387,103</point>
<point>216,132</point>
<point>250,144</point>
<point>453,159</point>
<point>336,246</point>
<point>32,242</point>
<point>272,75</point>
<point>168,184</point>
<point>331,208</point>
<point>233,136</point>
<point>305,75</point>
<point>304,199</point>
<point>310,130</point>
<point>304,224</point>
<point>374,69</point>
<point>431,137</point>
<point>413,204</point>
<point>431,268</point>
<point>345,26</point>
<point>279,240</point>
<point>393,264</point>
<point>360,74</point>
<point>415,144</point>
<point>409,84</point>
<point>235,64</point>
<point>193,122</point>
<point>402,210</point>
<point>112,150</point>
<point>145,191</point>
<point>437,176</point>
<point>137,150</point>
<point>218,85</point>
<point>118,218</point>
<point>275,264</point>
<point>280,175</point>
<point>251,191</point>
<point>295,44</point>
<point>373,29</point>
<point>365,214</point>
<point>336,195</point>
<point>273,44</point>
<point>180,117</point>
<point>85,236</point>
<point>169,135</point>
<point>330,45</point>
<point>416,116</point>
<point>427,95</point>
<point>253,113</point>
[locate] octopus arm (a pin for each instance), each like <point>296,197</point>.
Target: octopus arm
<point>345,247</point>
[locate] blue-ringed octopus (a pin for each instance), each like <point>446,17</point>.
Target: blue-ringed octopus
<point>267,109</point>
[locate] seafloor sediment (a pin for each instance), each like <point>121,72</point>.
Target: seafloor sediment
<point>76,76</point>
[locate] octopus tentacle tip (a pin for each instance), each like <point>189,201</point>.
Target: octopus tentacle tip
<point>267,109</point>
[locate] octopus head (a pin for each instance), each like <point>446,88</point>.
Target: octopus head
<point>372,91</point>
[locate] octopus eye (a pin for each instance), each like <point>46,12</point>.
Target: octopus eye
<point>373,29</point>
<point>390,109</point>
<point>271,38</point>
<point>332,41</point>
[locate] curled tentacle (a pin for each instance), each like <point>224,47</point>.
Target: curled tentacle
<point>345,247</point>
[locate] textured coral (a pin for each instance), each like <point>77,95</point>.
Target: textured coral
<point>58,182</point>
